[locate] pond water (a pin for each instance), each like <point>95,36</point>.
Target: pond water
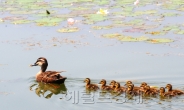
<point>142,43</point>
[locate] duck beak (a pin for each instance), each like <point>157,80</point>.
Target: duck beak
<point>34,64</point>
<point>125,84</point>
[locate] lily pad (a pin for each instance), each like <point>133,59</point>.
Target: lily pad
<point>156,32</point>
<point>114,35</point>
<point>171,28</point>
<point>170,14</point>
<point>180,32</point>
<point>22,12</point>
<point>49,21</point>
<point>21,21</point>
<point>159,40</point>
<point>68,30</point>
<point>133,39</point>
<point>96,17</point>
<point>102,27</point>
<point>127,39</point>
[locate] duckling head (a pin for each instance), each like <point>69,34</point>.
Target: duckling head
<point>130,87</point>
<point>87,81</point>
<point>147,88</point>
<point>169,87</point>
<point>103,82</point>
<point>128,83</point>
<point>143,84</point>
<point>162,90</point>
<point>41,62</point>
<point>117,85</point>
<point>113,83</point>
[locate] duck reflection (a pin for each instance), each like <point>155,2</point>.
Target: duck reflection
<point>48,89</point>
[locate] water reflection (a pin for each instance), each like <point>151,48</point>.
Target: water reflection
<point>48,89</point>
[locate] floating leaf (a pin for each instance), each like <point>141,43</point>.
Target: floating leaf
<point>21,21</point>
<point>128,8</point>
<point>159,40</point>
<point>48,21</point>
<point>69,29</point>
<point>180,32</point>
<point>95,17</point>
<point>22,12</point>
<point>102,27</point>
<point>156,32</point>
<point>127,39</point>
<point>114,35</point>
<point>170,14</point>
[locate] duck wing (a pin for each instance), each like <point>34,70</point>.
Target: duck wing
<point>50,76</point>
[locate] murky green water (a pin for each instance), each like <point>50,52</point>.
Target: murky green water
<point>138,43</point>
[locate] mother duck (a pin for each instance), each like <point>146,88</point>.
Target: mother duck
<point>47,76</point>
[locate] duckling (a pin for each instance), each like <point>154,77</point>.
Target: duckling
<point>144,84</point>
<point>149,91</point>
<point>47,76</point>
<point>165,94</point>
<point>130,82</point>
<point>118,88</point>
<point>104,86</point>
<point>130,90</point>
<point>112,84</point>
<point>176,92</point>
<point>135,88</point>
<point>90,86</point>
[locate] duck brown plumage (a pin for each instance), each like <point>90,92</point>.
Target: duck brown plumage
<point>149,91</point>
<point>144,84</point>
<point>118,89</point>
<point>47,76</point>
<point>112,84</point>
<point>135,88</point>
<point>175,91</point>
<point>165,94</point>
<point>90,86</point>
<point>131,91</point>
<point>104,86</point>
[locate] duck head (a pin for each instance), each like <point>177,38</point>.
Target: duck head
<point>87,81</point>
<point>162,91</point>
<point>143,84</point>
<point>103,82</point>
<point>42,62</point>
<point>130,87</point>
<point>117,85</point>
<point>169,87</point>
<point>112,83</point>
<point>128,83</point>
